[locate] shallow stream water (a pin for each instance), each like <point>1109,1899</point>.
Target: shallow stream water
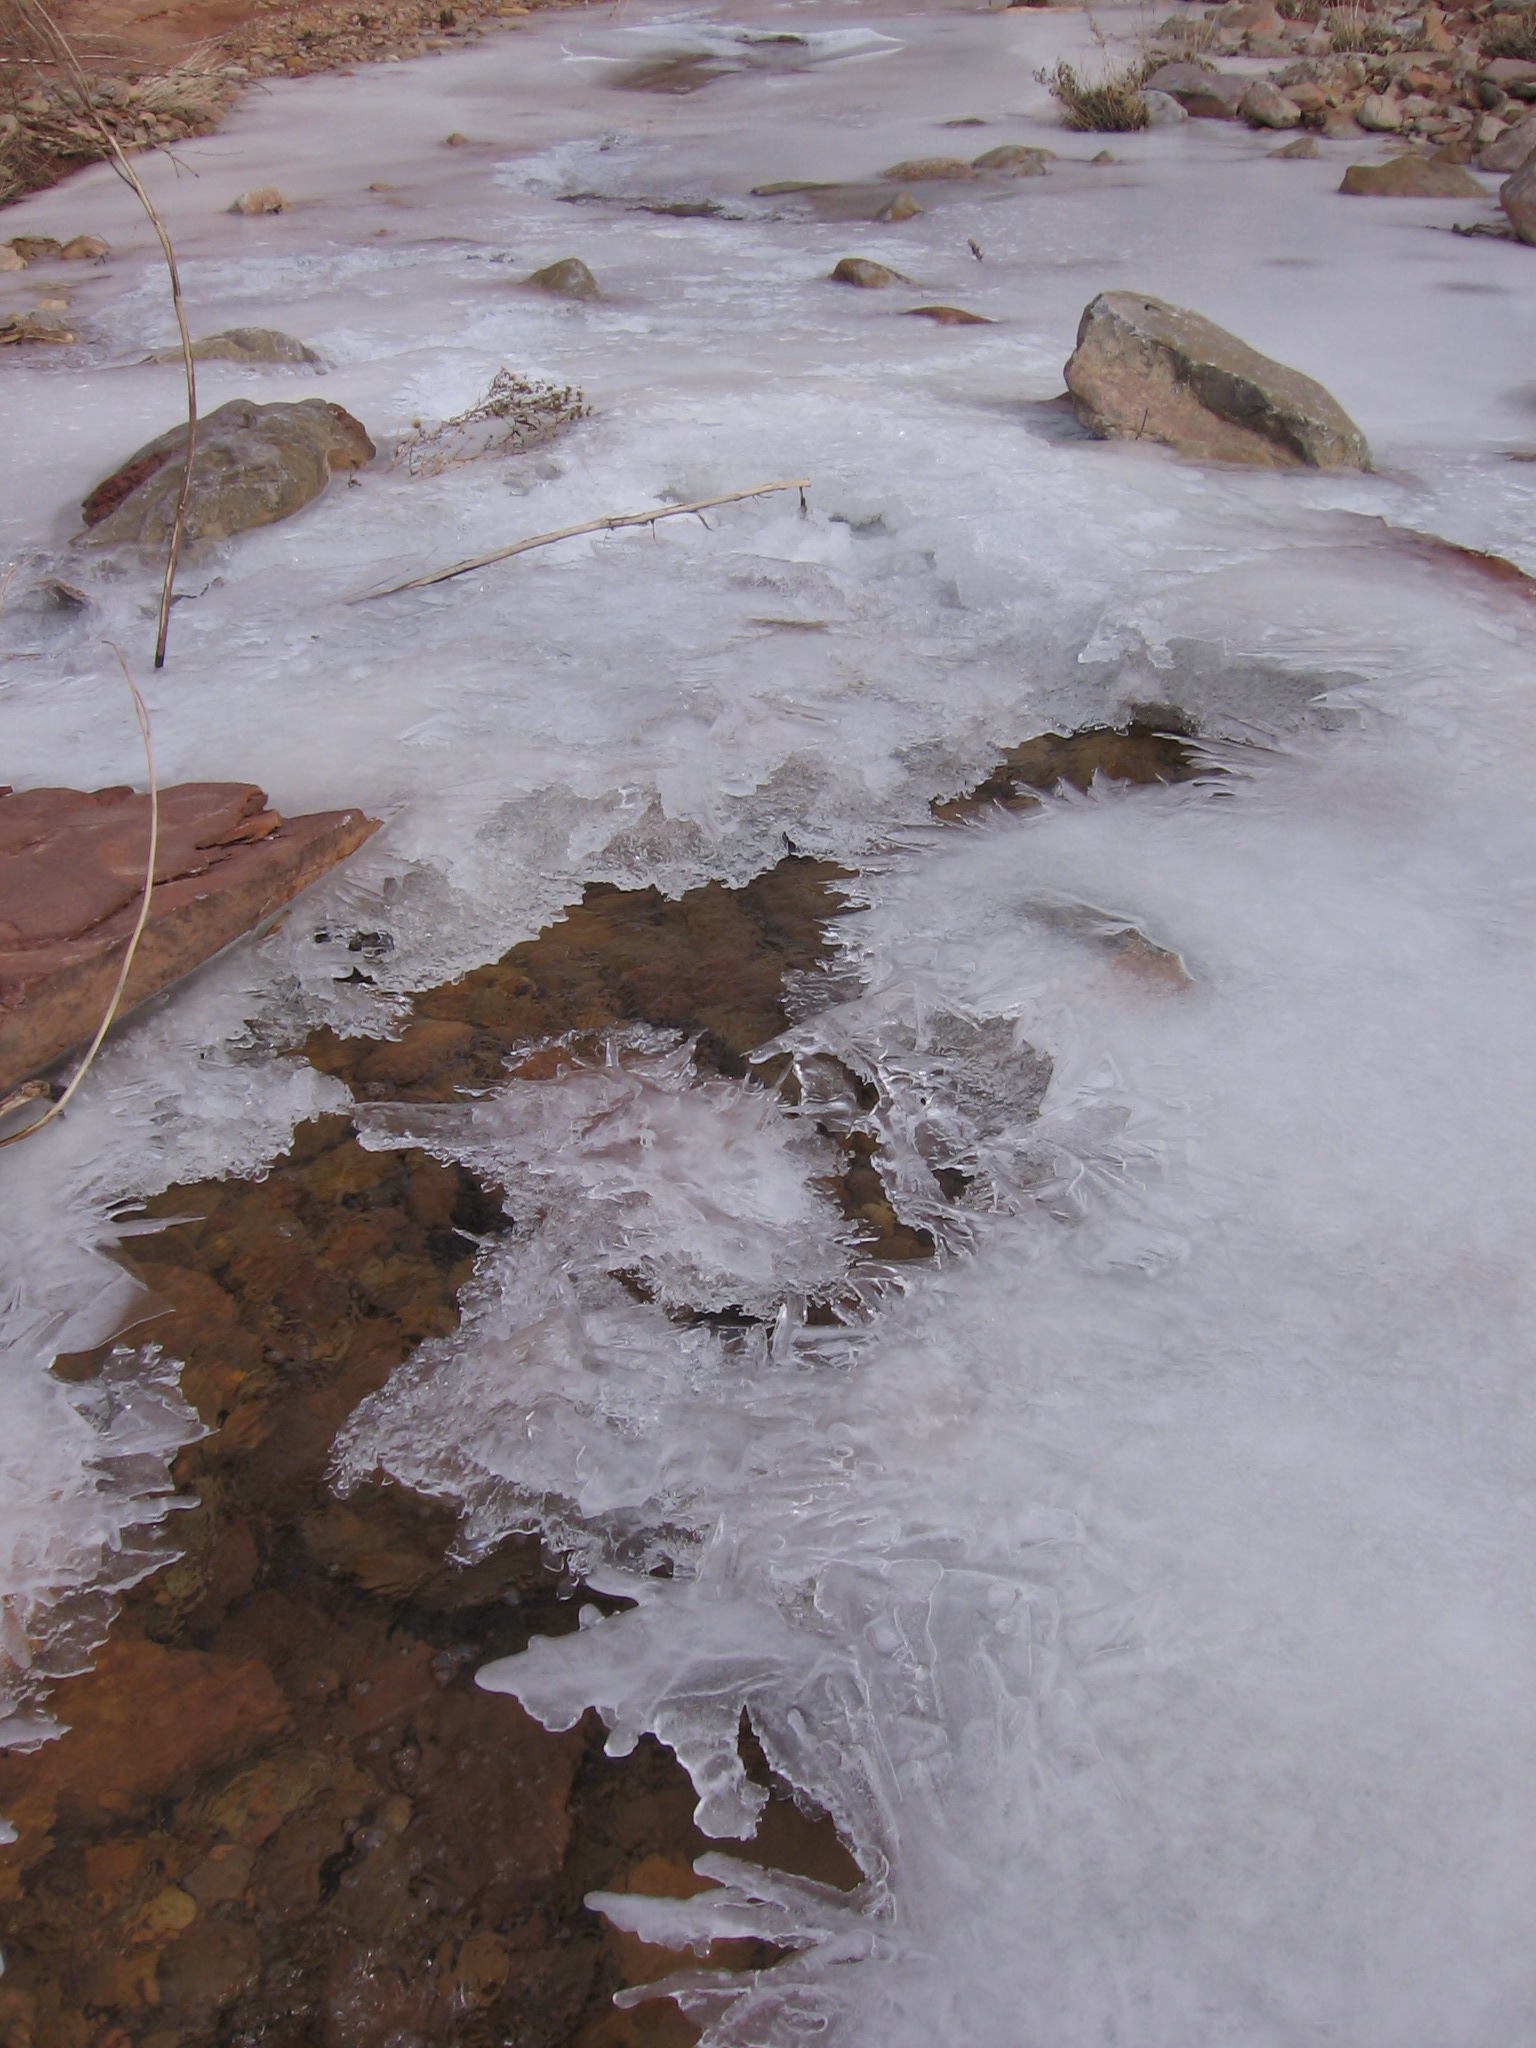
<point>1144,1580</point>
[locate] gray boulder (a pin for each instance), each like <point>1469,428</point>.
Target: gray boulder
<point>1205,95</point>
<point>567,279</point>
<point>1265,106</point>
<point>1517,196</point>
<point>1509,151</point>
<point>1145,370</point>
<point>254,464</point>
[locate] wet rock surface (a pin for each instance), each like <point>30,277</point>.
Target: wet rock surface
<point>254,464</point>
<point>254,345</point>
<point>283,1811</point>
<point>1145,370</point>
<point>568,279</point>
<point>71,880</point>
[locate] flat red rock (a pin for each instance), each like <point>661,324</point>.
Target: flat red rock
<point>71,880</point>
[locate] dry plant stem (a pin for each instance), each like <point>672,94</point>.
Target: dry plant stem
<point>55,35</point>
<point>610,524</point>
<point>31,1090</point>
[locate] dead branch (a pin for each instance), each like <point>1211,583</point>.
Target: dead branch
<point>610,524</point>
<point>33,1089</point>
<point>55,36</point>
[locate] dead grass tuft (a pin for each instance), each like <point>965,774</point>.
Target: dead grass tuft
<point>1110,105</point>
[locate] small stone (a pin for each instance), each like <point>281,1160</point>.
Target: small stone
<point>948,316</point>
<point>1304,146</point>
<point>928,170</point>
<point>455,140</point>
<point>85,249</point>
<point>862,271</point>
<point>1104,157</point>
<point>567,279</point>
<point>1410,177</point>
<point>1018,159</point>
<point>1379,115</point>
<point>902,207</point>
<point>263,199</point>
<point>1265,106</point>
<point>10,259</point>
<point>1512,148</point>
<point>35,248</point>
<point>1517,196</point>
<point>1163,110</point>
<point>248,345</point>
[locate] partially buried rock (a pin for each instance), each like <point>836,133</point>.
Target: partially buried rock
<point>1145,370</point>
<point>19,330</point>
<point>1410,177</point>
<point>85,249</point>
<point>1303,148</point>
<point>253,345</point>
<point>264,199</point>
<point>864,272</point>
<point>10,259</point>
<point>1017,159</point>
<point>948,316</point>
<point>35,248</point>
<point>1265,106</point>
<point>567,279</point>
<point>71,877</point>
<point>902,207</point>
<point>254,464</point>
<point>928,170</point>
<point>1517,196</point>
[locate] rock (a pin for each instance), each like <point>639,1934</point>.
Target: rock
<point>1379,115</point>
<point>1163,110</point>
<point>243,345</point>
<point>902,207</point>
<point>928,170</point>
<point>85,249</point>
<point>35,248</point>
<point>1205,95</point>
<point>1304,146</point>
<point>862,271</point>
<point>1018,159</point>
<point>1265,106</point>
<point>1485,129</point>
<point>567,279</point>
<point>264,199</point>
<point>455,140</point>
<point>1144,370</point>
<point>22,329</point>
<point>1510,74</point>
<point>1410,177</point>
<point>1513,148</point>
<point>71,877</point>
<point>1307,95</point>
<point>1517,196</point>
<point>10,259</point>
<point>254,464</point>
<point>948,316</point>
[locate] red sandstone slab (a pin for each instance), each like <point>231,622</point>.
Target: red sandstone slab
<point>71,879</point>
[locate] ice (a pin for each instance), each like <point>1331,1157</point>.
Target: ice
<point>1144,1584</point>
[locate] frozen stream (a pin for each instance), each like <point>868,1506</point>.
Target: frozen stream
<point>1147,1583</point>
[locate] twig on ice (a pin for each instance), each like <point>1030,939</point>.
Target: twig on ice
<point>610,524</point>
<point>33,1089</point>
<point>54,35</point>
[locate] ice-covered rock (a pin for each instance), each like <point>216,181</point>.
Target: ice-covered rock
<point>1163,110</point>
<point>864,272</point>
<point>254,464</point>
<point>1018,159</point>
<point>1145,370</point>
<point>569,278</point>
<point>243,345</point>
<point>1410,177</point>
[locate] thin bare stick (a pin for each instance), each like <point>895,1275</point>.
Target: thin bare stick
<point>32,1089</point>
<point>610,524</point>
<point>55,35</point>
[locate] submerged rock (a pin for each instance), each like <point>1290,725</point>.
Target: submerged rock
<point>1410,177</point>
<point>1517,196</point>
<point>948,316</point>
<point>1301,150</point>
<point>928,170</point>
<point>1145,370</point>
<point>902,207</point>
<point>85,249</point>
<point>254,464</point>
<point>1018,159</point>
<point>243,345</point>
<point>567,279</point>
<point>864,272</point>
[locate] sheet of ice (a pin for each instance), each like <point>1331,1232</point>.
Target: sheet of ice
<point>1145,1586</point>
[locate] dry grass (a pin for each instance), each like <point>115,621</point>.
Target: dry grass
<point>1110,105</point>
<point>1353,30</point>
<point>515,415</point>
<point>1510,35</point>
